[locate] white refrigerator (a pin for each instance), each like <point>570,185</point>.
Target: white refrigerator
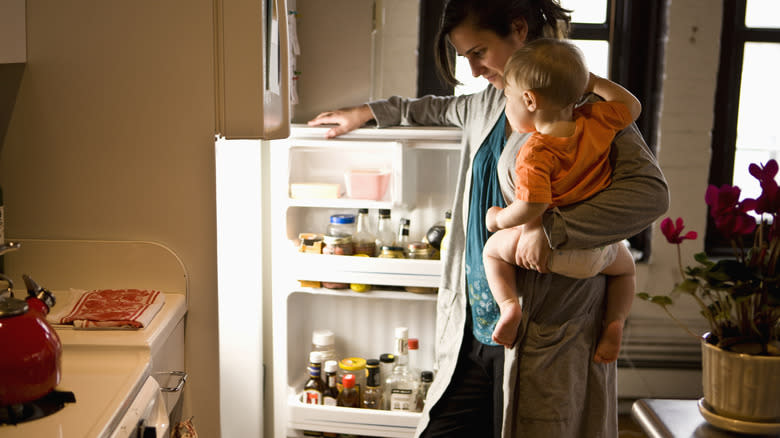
<point>259,222</point>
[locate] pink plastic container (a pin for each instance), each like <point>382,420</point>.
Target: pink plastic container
<point>367,183</point>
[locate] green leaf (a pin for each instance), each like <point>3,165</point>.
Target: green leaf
<point>703,259</point>
<point>661,300</point>
<point>688,286</point>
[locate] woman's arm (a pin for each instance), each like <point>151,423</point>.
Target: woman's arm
<point>395,111</point>
<point>637,196</point>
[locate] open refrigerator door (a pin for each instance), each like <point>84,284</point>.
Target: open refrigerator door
<point>366,298</point>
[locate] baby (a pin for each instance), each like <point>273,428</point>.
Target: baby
<point>564,161</point>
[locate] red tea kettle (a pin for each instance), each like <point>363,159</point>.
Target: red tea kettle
<point>30,348</point>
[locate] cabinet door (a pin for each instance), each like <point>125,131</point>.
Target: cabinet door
<point>13,38</point>
<point>252,69</point>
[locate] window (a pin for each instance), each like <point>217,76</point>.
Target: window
<point>621,40</point>
<point>745,98</point>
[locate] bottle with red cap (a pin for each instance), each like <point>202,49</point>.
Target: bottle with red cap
<point>349,396</point>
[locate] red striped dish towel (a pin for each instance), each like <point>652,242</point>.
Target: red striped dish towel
<point>125,308</point>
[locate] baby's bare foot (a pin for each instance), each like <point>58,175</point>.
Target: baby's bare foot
<point>609,345</point>
<point>505,332</point>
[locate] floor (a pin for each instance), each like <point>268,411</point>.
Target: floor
<point>627,427</point>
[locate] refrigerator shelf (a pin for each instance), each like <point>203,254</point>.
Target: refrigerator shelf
<point>341,203</point>
<point>376,293</point>
<point>351,420</point>
<point>367,270</point>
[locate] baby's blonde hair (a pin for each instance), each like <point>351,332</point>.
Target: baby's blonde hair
<point>553,68</point>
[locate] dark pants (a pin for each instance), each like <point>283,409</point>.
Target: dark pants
<point>472,404</point>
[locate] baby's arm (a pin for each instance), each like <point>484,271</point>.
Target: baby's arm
<point>613,92</point>
<point>517,213</point>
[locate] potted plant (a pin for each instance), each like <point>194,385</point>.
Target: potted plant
<point>739,296</point>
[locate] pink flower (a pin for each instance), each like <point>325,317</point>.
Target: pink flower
<point>673,231</point>
<point>730,215</point>
<point>764,173</point>
<point>769,201</point>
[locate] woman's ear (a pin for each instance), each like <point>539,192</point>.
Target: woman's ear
<point>520,27</point>
<point>531,100</point>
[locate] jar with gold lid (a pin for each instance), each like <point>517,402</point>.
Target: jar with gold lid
<point>391,252</point>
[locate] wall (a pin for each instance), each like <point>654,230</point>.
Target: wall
<point>111,137</point>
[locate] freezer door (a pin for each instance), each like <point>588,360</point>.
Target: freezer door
<point>252,69</point>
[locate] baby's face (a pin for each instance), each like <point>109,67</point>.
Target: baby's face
<point>517,114</point>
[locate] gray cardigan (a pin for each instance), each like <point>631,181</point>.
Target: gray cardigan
<point>551,385</point>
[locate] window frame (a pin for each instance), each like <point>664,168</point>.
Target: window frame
<point>734,35</point>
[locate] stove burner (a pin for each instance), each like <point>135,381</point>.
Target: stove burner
<point>46,405</point>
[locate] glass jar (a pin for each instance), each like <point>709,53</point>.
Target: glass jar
<point>418,250</point>
<point>341,225</point>
<point>337,245</point>
<point>356,366</point>
<point>392,252</point>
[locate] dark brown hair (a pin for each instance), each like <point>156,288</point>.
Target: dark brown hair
<point>545,18</point>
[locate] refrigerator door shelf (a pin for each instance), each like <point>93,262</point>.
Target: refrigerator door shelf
<point>367,270</point>
<point>375,293</point>
<point>351,420</point>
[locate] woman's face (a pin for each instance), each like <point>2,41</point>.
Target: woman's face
<point>486,51</point>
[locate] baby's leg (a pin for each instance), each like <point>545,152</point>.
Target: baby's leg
<point>620,294</point>
<point>498,257</point>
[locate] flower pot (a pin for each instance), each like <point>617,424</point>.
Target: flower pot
<point>741,386</point>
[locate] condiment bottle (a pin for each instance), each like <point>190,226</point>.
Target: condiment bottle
<point>403,233</point>
<point>426,378</point>
<point>385,236</point>
<point>445,240</point>
<point>348,397</point>
<point>386,364</point>
<point>402,386</point>
<point>372,394</point>
<point>364,241</point>
<point>324,341</point>
<point>314,386</point>
<point>414,357</point>
<point>331,394</point>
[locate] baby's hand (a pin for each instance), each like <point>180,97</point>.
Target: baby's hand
<point>490,219</point>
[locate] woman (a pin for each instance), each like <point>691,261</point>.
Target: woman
<point>547,384</point>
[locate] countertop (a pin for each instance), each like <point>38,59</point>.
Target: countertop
<point>104,369</point>
<point>670,418</point>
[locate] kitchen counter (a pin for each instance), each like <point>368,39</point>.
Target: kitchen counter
<point>668,418</point>
<point>105,369</point>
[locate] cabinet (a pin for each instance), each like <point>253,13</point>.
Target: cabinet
<point>423,163</point>
<point>13,38</point>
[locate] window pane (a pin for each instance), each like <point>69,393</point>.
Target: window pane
<point>596,55</point>
<point>586,11</point>
<point>463,74</point>
<point>762,13</point>
<point>757,141</point>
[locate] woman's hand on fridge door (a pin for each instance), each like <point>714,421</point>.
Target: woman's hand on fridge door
<point>346,119</point>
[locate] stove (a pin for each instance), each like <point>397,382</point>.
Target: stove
<point>33,410</point>
<point>109,372</point>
